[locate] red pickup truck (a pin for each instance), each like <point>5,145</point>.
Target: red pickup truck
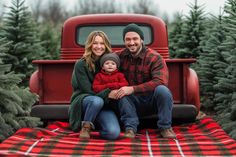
<point>52,80</point>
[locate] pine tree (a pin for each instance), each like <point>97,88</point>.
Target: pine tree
<point>15,102</point>
<point>192,31</point>
<point>20,29</point>
<point>209,57</point>
<point>175,34</point>
<point>51,39</point>
<point>226,97</point>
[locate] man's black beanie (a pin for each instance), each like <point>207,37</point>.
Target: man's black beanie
<point>133,28</point>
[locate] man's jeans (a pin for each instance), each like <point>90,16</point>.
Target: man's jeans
<point>103,118</point>
<point>159,102</point>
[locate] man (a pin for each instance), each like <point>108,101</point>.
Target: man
<point>147,93</point>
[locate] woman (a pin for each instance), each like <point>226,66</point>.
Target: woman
<point>88,110</point>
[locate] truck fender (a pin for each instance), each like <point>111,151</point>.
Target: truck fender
<point>193,94</point>
<point>34,83</point>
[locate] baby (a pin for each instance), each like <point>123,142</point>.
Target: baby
<point>109,76</point>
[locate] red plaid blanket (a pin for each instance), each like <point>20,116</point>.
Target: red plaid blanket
<point>203,138</point>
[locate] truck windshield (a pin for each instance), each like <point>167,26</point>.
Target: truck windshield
<point>114,34</point>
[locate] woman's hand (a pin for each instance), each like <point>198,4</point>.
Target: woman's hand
<point>112,94</point>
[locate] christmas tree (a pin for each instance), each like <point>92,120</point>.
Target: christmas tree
<point>19,28</point>
<point>192,31</point>
<point>226,85</point>
<point>207,61</point>
<point>15,102</point>
<point>175,34</point>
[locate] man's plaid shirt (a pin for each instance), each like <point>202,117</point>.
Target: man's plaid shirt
<point>145,71</point>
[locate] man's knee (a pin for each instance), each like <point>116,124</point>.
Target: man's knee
<point>162,91</point>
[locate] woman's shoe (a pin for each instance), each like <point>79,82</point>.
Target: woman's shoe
<point>85,130</point>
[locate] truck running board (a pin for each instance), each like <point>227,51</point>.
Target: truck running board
<point>60,112</point>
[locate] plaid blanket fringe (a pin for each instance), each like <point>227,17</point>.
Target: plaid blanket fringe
<point>202,138</point>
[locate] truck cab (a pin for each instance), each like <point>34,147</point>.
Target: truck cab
<point>52,80</point>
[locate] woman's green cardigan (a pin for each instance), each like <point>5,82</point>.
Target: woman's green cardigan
<point>82,80</point>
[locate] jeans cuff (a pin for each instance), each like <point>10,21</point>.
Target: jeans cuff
<point>93,127</point>
<point>130,128</point>
<point>164,128</point>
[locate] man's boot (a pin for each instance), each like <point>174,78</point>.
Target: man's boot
<point>168,133</point>
<point>85,130</point>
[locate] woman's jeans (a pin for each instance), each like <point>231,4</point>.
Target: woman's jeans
<point>159,102</point>
<point>104,119</point>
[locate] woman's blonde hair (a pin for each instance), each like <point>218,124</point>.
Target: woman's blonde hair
<point>88,54</point>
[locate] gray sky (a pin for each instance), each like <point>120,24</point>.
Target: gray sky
<point>169,6</point>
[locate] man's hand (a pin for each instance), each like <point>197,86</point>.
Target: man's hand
<point>112,94</point>
<point>127,90</point>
